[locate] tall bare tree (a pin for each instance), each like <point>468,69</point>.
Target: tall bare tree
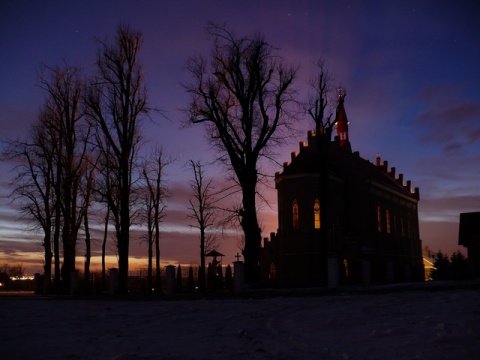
<point>241,96</point>
<point>32,188</point>
<point>320,109</point>
<point>87,190</point>
<point>49,179</point>
<point>64,115</point>
<point>202,211</point>
<point>155,194</point>
<point>117,100</point>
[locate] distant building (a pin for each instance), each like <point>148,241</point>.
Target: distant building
<point>365,231</point>
<point>428,262</point>
<point>469,237</point>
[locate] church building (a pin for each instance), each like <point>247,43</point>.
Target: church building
<point>357,226</point>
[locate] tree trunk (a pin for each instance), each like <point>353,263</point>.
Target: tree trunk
<point>158,282</point>
<point>150,260</point>
<point>323,145</point>
<point>252,232</point>
<point>56,249</point>
<point>202,284</point>
<point>87,256</point>
<point>124,239</point>
<point>48,262</point>
<point>104,246</point>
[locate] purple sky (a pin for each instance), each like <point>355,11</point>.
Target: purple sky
<point>410,69</point>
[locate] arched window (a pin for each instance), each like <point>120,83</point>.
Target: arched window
<point>379,218</point>
<point>316,214</point>
<point>387,219</point>
<point>295,214</point>
<point>272,274</point>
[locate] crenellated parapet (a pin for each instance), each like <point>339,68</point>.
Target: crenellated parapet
<point>392,173</point>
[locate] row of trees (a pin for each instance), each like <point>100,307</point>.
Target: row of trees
<point>82,156</point>
<point>454,267</point>
<point>83,153</point>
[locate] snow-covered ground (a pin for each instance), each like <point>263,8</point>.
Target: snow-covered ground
<point>414,324</point>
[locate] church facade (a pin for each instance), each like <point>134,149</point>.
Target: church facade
<point>357,226</point>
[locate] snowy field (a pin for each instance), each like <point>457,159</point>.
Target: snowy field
<point>407,324</point>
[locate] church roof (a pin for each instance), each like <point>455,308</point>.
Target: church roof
<point>347,165</point>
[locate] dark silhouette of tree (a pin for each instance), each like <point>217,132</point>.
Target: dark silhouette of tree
<point>317,108</point>
<point>211,271</point>
<point>117,100</point>
<point>459,266</point>
<point>219,277</point>
<point>107,190</point>
<point>154,202</point>
<point>228,278</point>
<point>87,191</point>
<point>202,210</point>
<point>241,98</point>
<point>17,270</point>
<point>63,117</point>
<point>441,267</point>
<point>104,245</point>
<point>179,279</point>
<point>49,180</point>
<point>32,185</point>
<point>191,281</point>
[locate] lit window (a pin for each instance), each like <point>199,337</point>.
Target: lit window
<point>379,218</point>
<point>295,214</point>
<point>387,219</point>
<point>316,214</point>
<point>272,274</point>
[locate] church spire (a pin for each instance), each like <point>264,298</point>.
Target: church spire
<point>341,118</point>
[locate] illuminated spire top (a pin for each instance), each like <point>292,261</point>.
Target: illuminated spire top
<point>341,93</point>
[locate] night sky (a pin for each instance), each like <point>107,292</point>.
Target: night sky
<point>410,69</point>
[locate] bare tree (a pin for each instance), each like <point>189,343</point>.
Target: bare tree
<point>64,116</point>
<point>241,99</point>
<point>155,195</point>
<point>116,102</point>
<point>320,110</point>
<point>32,189</point>
<point>202,211</point>
<point>87,189</point>
<point>48,180</point>
<point>17,270</point>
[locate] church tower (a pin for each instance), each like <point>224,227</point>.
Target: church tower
<point>341,120</point>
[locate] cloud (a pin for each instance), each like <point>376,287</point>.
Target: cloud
<point>449,119</point>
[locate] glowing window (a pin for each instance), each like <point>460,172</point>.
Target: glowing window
<point>316,214</point>
<point>387,219</point>
<point>295,214</point>
<point>379,218</point>
<point>272,274</point>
